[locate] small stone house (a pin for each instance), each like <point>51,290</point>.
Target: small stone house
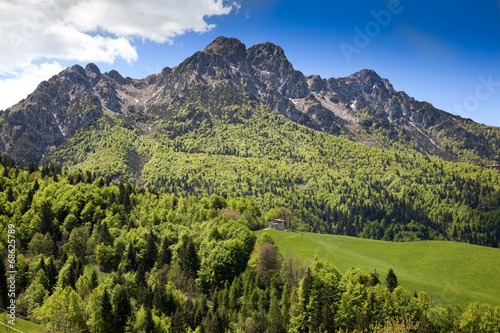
<point>276,224</point>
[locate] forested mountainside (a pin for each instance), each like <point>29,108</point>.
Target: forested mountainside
<point>331,184</point>
<point>233,121</point>
<point>228,121</point>
<point>362,107</point>
<point>94,255</point>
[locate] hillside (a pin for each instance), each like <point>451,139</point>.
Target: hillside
<point>451,273</point>
<point>329,183</point>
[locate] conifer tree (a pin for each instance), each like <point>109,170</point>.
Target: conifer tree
<point>285,304</point>
<point>178,322</point>
<point>305,289</point>
<point>122,308</point>
<point>374,279</point>
<point>275,320</point>
<point>140,276</point>
<point>188,259</point>
<point>52,273</point>
<point>160,298</point>
<point>28,201</point>
<point>150,255</point>
<point>235,293</point>
<point>10,194</point>
<point>165,256</point>
<point>32,167</point>
<point>106,312</point>
<point>130,261</point>
<point>391,282</point>
<point>46,217</point>
<point>103,233</point>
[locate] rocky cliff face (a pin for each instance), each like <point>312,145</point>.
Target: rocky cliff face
<point>50,115</point>
<point>61,106</point>
<point>363,106</point>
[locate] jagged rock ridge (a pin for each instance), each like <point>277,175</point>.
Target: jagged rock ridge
<point>363,106</point>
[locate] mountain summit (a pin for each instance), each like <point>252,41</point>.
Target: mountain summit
<point>362,107</point>
<point>230,49</point>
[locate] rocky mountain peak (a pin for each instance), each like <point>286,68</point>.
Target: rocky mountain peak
<point>117,77</point>
<point>269,49</point>
<point>75,69</point>
<point>92,69</point>
<point>230,49</point>
<point>268,57</point>
<point>75,74</point>
<point>370,85</point>
<point>367,74</point>
<point>93,73</point>
<point>365,77</point>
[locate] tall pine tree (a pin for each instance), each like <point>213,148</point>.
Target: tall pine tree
<point>122,308</point>
<point>150,255</point>
<point>188,259</point>
<point>165,256</point>
<point>46,217</point>
<point>391,282</point>
<point>108,319</point>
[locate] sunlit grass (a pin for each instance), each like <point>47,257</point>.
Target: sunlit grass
<point>21,325</point>
<point>452,273</point>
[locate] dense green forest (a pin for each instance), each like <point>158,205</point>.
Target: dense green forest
<point>98,256</point>
<point>331,184</point>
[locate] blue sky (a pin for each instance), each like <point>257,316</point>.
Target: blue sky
<point>444,52</point>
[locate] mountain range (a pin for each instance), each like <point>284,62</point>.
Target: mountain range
<point>362,107</point>
<point>348,156</point>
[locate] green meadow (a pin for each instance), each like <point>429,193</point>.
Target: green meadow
<point>450,272</point>
<point>21,325</point>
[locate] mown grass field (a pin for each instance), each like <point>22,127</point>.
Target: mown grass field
<point>450,272</point>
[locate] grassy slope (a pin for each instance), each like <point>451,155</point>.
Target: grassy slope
<point>21,325</point>
<point>452,273</point>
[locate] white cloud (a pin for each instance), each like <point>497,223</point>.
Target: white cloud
<point>156,20</point>
<point>18,87</point>
<point>94,30</point>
